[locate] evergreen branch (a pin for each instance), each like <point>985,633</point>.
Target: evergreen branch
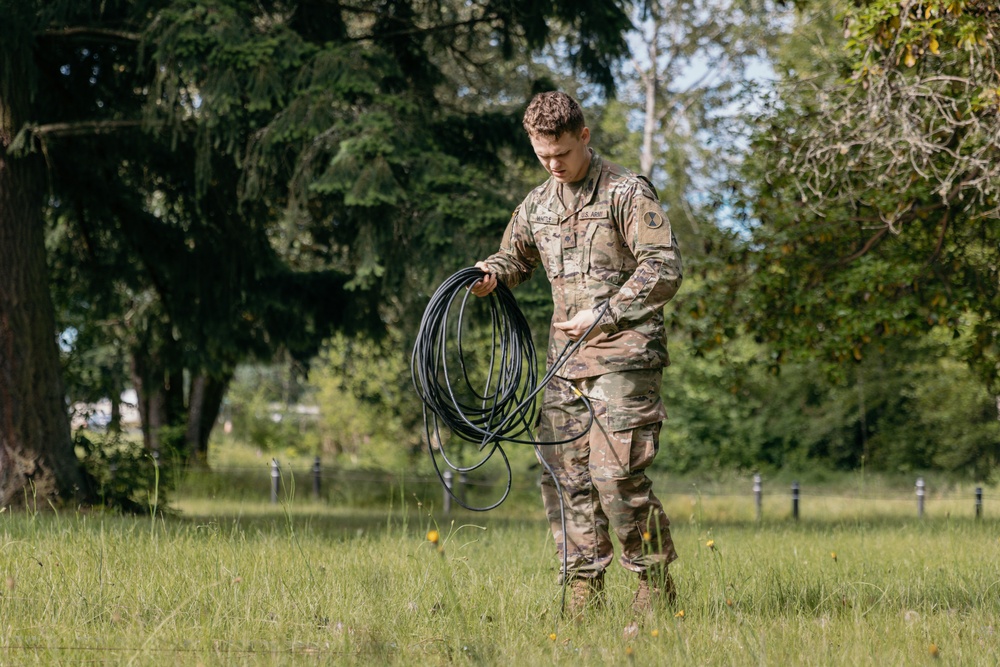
<point>411,28</point>
<point>82,128</point>
<point>84,31</point>
<point>425,30</point>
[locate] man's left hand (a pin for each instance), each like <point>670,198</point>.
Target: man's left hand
<point>578,325</point>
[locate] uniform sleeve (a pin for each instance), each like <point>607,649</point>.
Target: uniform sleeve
<point>658,274</point>
<point>518,255</point>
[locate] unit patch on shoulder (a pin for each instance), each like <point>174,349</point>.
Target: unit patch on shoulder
<point>653,219</point>
<point>652,224</point>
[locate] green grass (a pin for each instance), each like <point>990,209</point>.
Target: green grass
<point>235,581</point>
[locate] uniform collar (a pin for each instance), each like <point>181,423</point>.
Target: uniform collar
<point>571,205</point>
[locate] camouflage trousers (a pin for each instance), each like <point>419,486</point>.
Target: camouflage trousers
<point>602,472</point>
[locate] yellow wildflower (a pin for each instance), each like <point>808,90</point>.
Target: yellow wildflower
<point>432,536</point>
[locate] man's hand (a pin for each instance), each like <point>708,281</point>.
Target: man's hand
<point>488,283</point>
<point>578,325</point>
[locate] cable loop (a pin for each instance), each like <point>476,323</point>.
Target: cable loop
<point>503,409</point>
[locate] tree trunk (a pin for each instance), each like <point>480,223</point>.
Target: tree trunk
<point>37,460</point>
<point>160,394</point>
<point>115,425</point>
<point>651,86</point>
<point>204,403</point>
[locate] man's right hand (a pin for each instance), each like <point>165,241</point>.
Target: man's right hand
<point>488,283</point>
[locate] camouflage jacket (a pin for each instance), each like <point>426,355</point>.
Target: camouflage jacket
<point>610,242</point>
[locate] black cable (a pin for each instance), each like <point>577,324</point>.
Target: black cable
<point>504,409</point>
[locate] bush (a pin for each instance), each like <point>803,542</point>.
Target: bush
<point>125,475</point>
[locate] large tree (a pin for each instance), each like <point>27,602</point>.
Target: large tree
<point>36,455</point>
<point>323,140</point>
<point>877,188</point>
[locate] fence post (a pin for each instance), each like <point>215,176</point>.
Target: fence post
<point>275,481</point>
<point>920,497</point>
<point>756,495</point>
<point>795,500</point>
<point>447,491</point>
<point>317,471</point>
<point>979,502</point>
<point>463,483</point>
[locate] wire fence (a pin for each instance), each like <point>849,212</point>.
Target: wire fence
<point>768,501</point>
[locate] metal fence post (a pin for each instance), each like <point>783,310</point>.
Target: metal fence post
<point>317,471</point>
<point>795,500</point>
<point>275,481</point>
<point>979,502</point>
<point>447,491</point>
<point>920,497</point>
<point>756,495</point>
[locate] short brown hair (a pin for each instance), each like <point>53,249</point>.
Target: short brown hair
<point>553,113</point>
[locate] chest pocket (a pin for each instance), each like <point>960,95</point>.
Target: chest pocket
<point>605,254</point>
<point>545,230</point>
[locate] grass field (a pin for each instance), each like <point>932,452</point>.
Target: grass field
<point>237,581</point>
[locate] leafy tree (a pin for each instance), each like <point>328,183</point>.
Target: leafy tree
<point>851,317</point>
<point>877,193</point>
<point>370,414</point>
<point>683,92</point>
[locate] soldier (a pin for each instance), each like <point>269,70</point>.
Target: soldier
<point>603,239</point>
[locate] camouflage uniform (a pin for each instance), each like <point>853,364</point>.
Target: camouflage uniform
<point>605,239</point>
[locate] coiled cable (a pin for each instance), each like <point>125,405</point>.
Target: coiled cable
<point>503,409</point>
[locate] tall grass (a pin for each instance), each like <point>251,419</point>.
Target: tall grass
<point>242,581</point>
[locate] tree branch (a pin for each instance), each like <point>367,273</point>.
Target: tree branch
<point>868,246</point>
<point>83,31</point>
<point>81,128</point>
<point>940,241</point>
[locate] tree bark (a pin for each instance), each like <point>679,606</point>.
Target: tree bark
<point>160,394</point>
<point>37,460</point>
<point>651,86</point>
<point>204,403</point>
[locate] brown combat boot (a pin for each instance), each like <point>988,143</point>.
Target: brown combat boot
<point>655,589</point>
<point>584,593</point>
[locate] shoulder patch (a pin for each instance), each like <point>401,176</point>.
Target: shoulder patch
<point>653,219</point>
<point>653,228</point>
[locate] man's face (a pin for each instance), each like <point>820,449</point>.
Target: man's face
<point>566,158</point>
